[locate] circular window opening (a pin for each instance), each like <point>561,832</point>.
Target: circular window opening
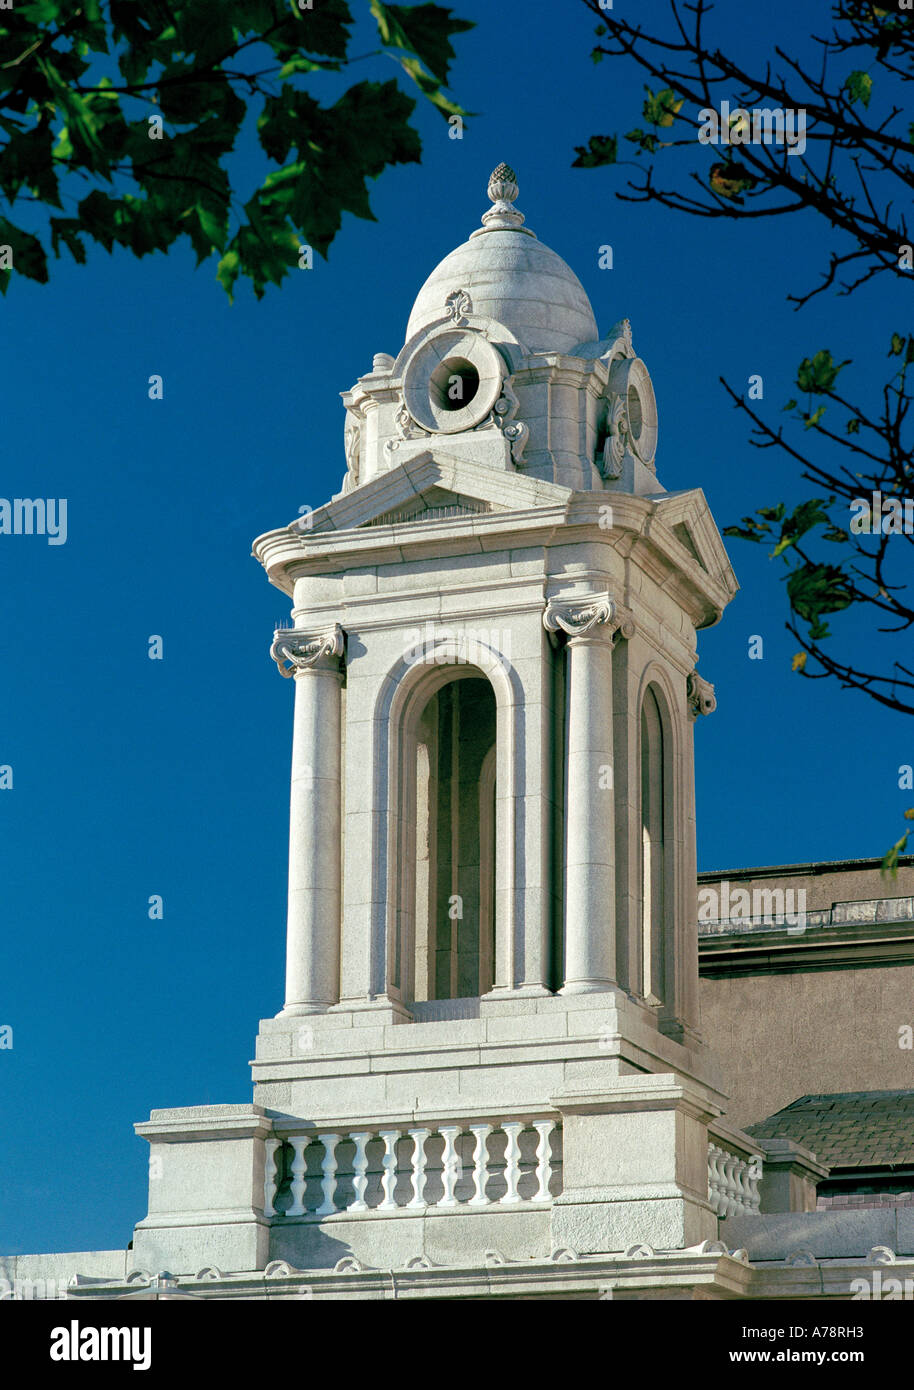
<point>453,384</point>
<point>635,418</point>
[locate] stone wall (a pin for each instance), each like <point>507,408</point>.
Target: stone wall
<point>818,1011</point>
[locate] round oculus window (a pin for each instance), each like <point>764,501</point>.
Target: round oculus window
<point>629,379</point>
<point>452,381</point>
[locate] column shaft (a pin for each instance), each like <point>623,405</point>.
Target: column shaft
<point>589,622</point>
<point>590,820</point>
<point>315,896</point>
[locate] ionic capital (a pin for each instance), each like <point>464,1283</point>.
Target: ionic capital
<point>295,650</point>
<point>700,696</point>
<point>589,614</point>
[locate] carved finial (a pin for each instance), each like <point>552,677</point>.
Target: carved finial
<point>503,184</point>
<point>502,191</point>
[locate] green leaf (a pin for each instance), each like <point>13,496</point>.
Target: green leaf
<point>644,139</point>
<point>68,230</point>
<point>811,420</point>
<point>41,11</point>
<point>227,272</point>
<point>423,31</point>
<point>897,345</point>
<point>817,589</point>
<point>802,519</point>
<point>599,150</point>
<point>818,374</point>
<point>889,863</point>
<point>791,405</point>
<point>751,530</point>
<point>301,63</point>
<point>853,426</point>
<point>29,258</point>
<point>859,86</point>
<point>661,109</point>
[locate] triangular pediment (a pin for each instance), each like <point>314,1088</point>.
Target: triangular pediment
<point>432,486</point>
<point>691,527</point>
<point>683,534</point>
<point>435,504</point>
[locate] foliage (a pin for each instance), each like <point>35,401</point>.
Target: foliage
<point>87,90</point>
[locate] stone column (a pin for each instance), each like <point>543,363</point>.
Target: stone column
<point>313,931</point>
<point>589,623</point>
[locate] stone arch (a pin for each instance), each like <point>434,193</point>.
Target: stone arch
<point>659,826</point>
<point>404,694</point>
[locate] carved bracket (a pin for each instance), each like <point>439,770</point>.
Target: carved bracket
<point>699,696</point>
<point>295,651</point>
<point>502,416</point>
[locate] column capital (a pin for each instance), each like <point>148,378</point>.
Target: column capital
<point>295,650</point>
<point>588,615</point>
<point>700,695</point>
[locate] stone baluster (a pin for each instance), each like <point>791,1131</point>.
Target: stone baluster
<point>360,1169</point>
<point>544,1129</point>
<point>742,1185</point>
<point>269,1177</point>
<point>313,931</point>
<point>450,1164</point>
<point>512,1129</point>
<point>730,1186</point>
<point>712,1176</point>
<point>328,1174</point>
<point>299,1143</point>
<point>418,1136</point>
<point>480,1165</point>
<point>389,1180</point>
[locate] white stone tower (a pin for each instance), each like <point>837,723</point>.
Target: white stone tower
<point>490,1037</point>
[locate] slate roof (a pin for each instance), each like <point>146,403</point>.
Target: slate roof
<point>851,1129</point>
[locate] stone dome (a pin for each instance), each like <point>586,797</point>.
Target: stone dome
<point>512,277</point>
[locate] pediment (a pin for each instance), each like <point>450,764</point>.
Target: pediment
<point>683,534</point>
<point>431,486</point>
<point>435,504</point>
<point>688,521</point>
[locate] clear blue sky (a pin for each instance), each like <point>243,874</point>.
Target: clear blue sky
<point>135,777</point>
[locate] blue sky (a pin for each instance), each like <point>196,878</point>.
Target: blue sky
<point>135,777</point>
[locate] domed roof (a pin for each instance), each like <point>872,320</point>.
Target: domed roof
<point>512,277</point>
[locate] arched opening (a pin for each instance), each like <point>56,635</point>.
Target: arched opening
<point>654,868</point>
<point>453,842</point>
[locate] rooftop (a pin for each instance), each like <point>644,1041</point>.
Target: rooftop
<point>853,1129</point>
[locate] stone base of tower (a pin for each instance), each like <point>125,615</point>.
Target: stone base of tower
<point>536,1126</point>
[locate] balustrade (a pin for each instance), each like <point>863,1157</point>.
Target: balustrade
<point>496,1163</point>
<point>732,1181</point>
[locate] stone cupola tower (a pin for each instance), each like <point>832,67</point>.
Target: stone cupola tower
<point>490,1035</point>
